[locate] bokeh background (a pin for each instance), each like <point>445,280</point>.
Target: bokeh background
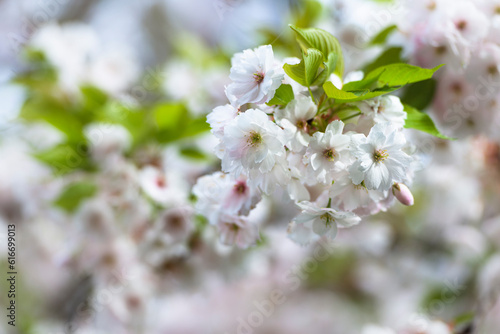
<point>103,135</point>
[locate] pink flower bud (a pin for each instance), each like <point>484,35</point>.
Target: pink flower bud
<point>402,193</point>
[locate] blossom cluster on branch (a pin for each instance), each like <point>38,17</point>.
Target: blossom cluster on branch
<point>334,145</point>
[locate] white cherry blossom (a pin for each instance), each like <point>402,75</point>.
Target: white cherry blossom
<point>220,117</point>
<point>252,142</point>
<point>255,76</point>
<point>380,161</point>
<point>293,118</point>
<point>314,222</point>
<point>328,152</point>
<point>386,108</point>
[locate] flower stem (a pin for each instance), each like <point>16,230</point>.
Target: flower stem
<point>352,116</point>
<point>312,96</point>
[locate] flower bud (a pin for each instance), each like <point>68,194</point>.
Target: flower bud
<point>402,193</point>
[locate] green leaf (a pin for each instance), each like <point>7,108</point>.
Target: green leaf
<point>322,76</point>
<point>312,61</point>
<point>389,56</point>
<point>381,37</point>
<point>335,93</point>
<point>74,194</point>
<point>307,70</point>
<point>93,97</point>
<point>296,72</point>
<point>174,122</point>
<point>193,152</point>
<point>342,96</point>
<point>421,121</point>
<point>38,108</point>
<point>195,126</point>
<point>383,80</point>
<point>420,94</point>
<point>326,43</point>
<point>283,95</point>
<point>364,84</point>
<point>134,120</point>
<point>401,74</point>
<point>40,75</point>
<point>65,158</point>
<point>169,115</point>
<point>463,319</point>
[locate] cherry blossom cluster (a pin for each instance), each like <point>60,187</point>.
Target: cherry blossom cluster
<point>337,163</point>
<point>464,35</point>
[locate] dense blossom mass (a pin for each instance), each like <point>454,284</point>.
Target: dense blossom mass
<point>252,166</point>
<point>302,146</point>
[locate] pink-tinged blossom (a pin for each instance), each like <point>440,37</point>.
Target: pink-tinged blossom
<point>387,108</point>
<point>294,120</point>
<point>240,197</point>
<point>220,194</point>
<point>279,175</point>
<point>220,117</point>
<point>348,196</point>
<point>255,76</point>
<point>328,152</point>
<point>380,160</point>
<point>164,187</point>
<point>237,230</point>
<point>403,194</point>
<point>252,142</point>
<point>315,222</point>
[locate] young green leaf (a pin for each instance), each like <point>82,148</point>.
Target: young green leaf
<point>51,111</point>
<point>364,84</point>
<point>74,194</point>
<point>421,121</point>
<point>383,80</point>
<point>322,76</point>
<point>382,36</point>
<point>65,158</point>
<point>195,126</point>
<point>420,94</point>
<point>174,122</point>
<point>335,93</point>
<point>194,153</point>
<point>169,115</point>
<point>307,70</point>
<point>324,42</point>
<point>401,74</point>
<point>93,97</point>
<point>283,95</point>
<point>342,96</point>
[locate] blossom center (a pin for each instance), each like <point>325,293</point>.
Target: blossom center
<point>161,182</point>
<point>233,227</point>
<point>440,50</point>
<point>493,69</point>
<point>330,154</point>
<point>254,139</point>
<point>174,223</point>
<point>328,219</point>
<point>461,25</point>
<point>456,88</point>
<point>259,77</point>
<point>240,188</point>
<point>380,155</point>
<point>301,124</point>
